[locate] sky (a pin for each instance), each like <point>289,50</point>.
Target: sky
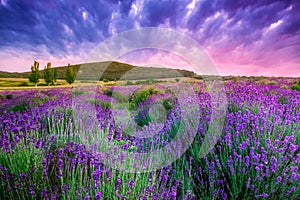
<point>253,37</point>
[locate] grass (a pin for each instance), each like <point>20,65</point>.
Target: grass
<point>61,124</point>
<point>24,82</point>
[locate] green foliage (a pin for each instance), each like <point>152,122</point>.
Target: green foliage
<point>106,104</point>
<point>24,83</point>
<point>105,80</point>
<point>19,107</point>
<point>38,99</point>
<point>110,84</point>
<point>148,82</point>
<point>27,159</point>
<point>129,83</point>
<point>142,95</point>
<point>283,99</point>
<point>42,84</point>
<point>296,86</point>
<point>108,92</point>
<point>9,96</point>
<point>274,83</point>
<point>70,75</point>
<point>168,104</point>
<point>111,71</point>
<point>284,86</point>
<point>48,74</point>
<point>55,75</point>
<point>177,80</point>
<point>34,76</point>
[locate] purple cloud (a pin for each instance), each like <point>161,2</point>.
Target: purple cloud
<point>261,34</point>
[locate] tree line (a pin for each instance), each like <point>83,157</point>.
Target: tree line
<point>50,74</point>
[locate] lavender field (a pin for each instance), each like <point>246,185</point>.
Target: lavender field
<point>51,149</point>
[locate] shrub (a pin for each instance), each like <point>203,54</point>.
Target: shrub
<point>168,103</point>
<point>19,107</point>
<point>105,80</point>
<point>70,75</point>
<point>24,83</point>
<point>129,83</point>
<point>296,87</point>
<point>106,104</point>
<point>108,92</point>
<point>48,74</point>
<point>9,96</point>
<point>42,84</point>
<point>35,75</point>
<point>142,95</point>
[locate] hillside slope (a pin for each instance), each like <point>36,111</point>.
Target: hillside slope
<point>110,71</point>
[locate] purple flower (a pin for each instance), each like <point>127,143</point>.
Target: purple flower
<point>131,184</point>
<point>44,193</point>
<point>60,152</point>
<point>165,177</point>
<point>247,161</point>
<point>279,179</point>
<point>264,195</point>
<point>293,189</point>
<point>294,169</point>
<point>248,183</point>
<point>98,195</point>
<point>44,162</point>
<point>60,163</point>
<point>118,183</point>
<point>52,138</point>
<point>293,147</point>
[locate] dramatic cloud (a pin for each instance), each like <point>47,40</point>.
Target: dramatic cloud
<point>242,37</point>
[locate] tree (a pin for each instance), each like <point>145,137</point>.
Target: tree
<point>55,75</point>
<point>70,75</point>
<point>48,73</point>
<point>34,76</point>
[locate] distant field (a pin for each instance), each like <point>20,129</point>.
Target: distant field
<point>24,83</point>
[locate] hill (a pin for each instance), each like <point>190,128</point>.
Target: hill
<point>110,71</point>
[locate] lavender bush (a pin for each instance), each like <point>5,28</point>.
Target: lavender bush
<point>48,153</point>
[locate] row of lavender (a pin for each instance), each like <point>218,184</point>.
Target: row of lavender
<point>47,152</point>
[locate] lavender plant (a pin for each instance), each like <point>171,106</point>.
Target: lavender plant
<point>53,150</point>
